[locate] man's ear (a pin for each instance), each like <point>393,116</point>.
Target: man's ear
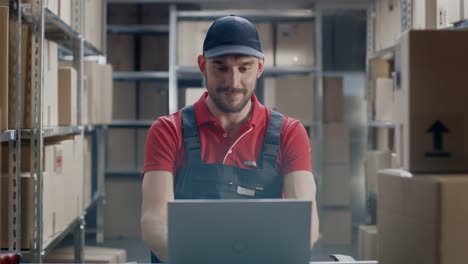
<point>261,63</point>
<point>202,64</point>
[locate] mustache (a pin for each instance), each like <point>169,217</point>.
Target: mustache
<point>230,90</point>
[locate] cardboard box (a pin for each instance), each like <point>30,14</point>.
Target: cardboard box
<point>379,68</point>
<point>67,96</point>
<point>93,24</point>
<point>375,161</point>
<point>442,14</point>
<point>424,14</point>
<point>265,32</point>
<point>121,149</point>
<point>384,100</point>
<point>124,100</point>
<point>333,100</point>
<point>336,226</point>
<point>118,225</point>
<point>65,10</point>
<point>422,218</point>
<point>91,255</point>
<point>465,9</point>
<point>385,139</point>
<point>336,186</point>
<point>50,115</point>
<point>295,44</point>
<point>4,33</point>
<point>154,55</point>
<point>153,100</point>
<point>49,205</point>
<point>335,143</point>
<point>100,92</point>
<point>298,104</point>
<point>191,35</point>
<point>192,95</point>
<point>121,51</point>
<point>387,23</point>
<point>367,242</point>
<point>107,93</point>
<point>430,109</point>
<point>454,11</point>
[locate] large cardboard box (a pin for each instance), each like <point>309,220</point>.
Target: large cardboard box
<point>121,51</point>
<point>124,100</point>
<point>333,100</point>
<point>297,103</point>
<point>442,13</point>
<point>4,22</point>
<point>422,218</point>
<point>93,24</point>
<point>91,255</point>
<point>50,114</point>
<point>107,94</point>
<point>385,138</point>
<point>65,10</point>
<point>454,11</point>
<point>295,44</point>
<point>153,100</point>
<point>100,92</point>
<point>430,106</point>
<point>424,14</point>
<point>336,185</point>
<point>387,23</point>
<point>67,96</point>
<point>154,55</point>
<point>190,37</point>
<point>335,143</point>
<point>465,9</point>
<point>192,95</point>
<point>379,68</point>
<point>336,226</point>
<point>384,100</point>
<point>375,161</point>
<point>367,242</point>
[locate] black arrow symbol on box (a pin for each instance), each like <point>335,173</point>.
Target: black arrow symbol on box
<point>438,129</point>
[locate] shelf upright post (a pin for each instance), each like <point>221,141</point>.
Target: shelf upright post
<point>36,141</point>
<point>173,104</point>
<point>14,146</point>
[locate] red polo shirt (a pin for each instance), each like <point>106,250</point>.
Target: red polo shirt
<point>164,149</point>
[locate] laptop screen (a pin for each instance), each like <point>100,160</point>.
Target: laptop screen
<point>239,231</point>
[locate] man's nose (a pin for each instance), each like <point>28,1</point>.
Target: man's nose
<point>233,79</point>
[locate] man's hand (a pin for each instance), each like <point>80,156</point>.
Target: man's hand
<point>301,185</point>
<point>157,192</point>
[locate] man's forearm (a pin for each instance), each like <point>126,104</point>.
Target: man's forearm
<point>154,233</point>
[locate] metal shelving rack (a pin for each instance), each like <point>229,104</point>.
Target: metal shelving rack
<point>44,24</point>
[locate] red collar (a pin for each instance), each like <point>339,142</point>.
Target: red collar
<point>204,116</point>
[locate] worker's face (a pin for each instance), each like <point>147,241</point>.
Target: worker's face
<point>231,80</point>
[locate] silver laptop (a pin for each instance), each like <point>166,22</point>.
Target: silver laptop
<point>239,231</point>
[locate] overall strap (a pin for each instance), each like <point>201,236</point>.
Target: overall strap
<point>272,140</point>
<point>191,136</point>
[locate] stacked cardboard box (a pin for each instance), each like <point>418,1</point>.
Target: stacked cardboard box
<point>63,167</point>
<point>422,218</point>
<point>421,209</point>
<point>293,96</point>
<point>67,104</point>
<point>93,25</point>
<point>100,92</point>
<point>295,44</point>
<point>335,195</point>
<point>190,37</point>
<point>367,242</point>
<point>4,22</point>
<point>91,255</point>
<point>388,27</point>
<point>65,8</point>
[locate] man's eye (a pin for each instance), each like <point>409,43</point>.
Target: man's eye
<point>244,69</point>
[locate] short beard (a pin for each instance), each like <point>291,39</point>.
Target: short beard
<point>227,108</point>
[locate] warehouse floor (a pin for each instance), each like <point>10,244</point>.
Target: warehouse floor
<point>138,252</point>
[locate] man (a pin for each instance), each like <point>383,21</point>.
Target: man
<point>227,145</point>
